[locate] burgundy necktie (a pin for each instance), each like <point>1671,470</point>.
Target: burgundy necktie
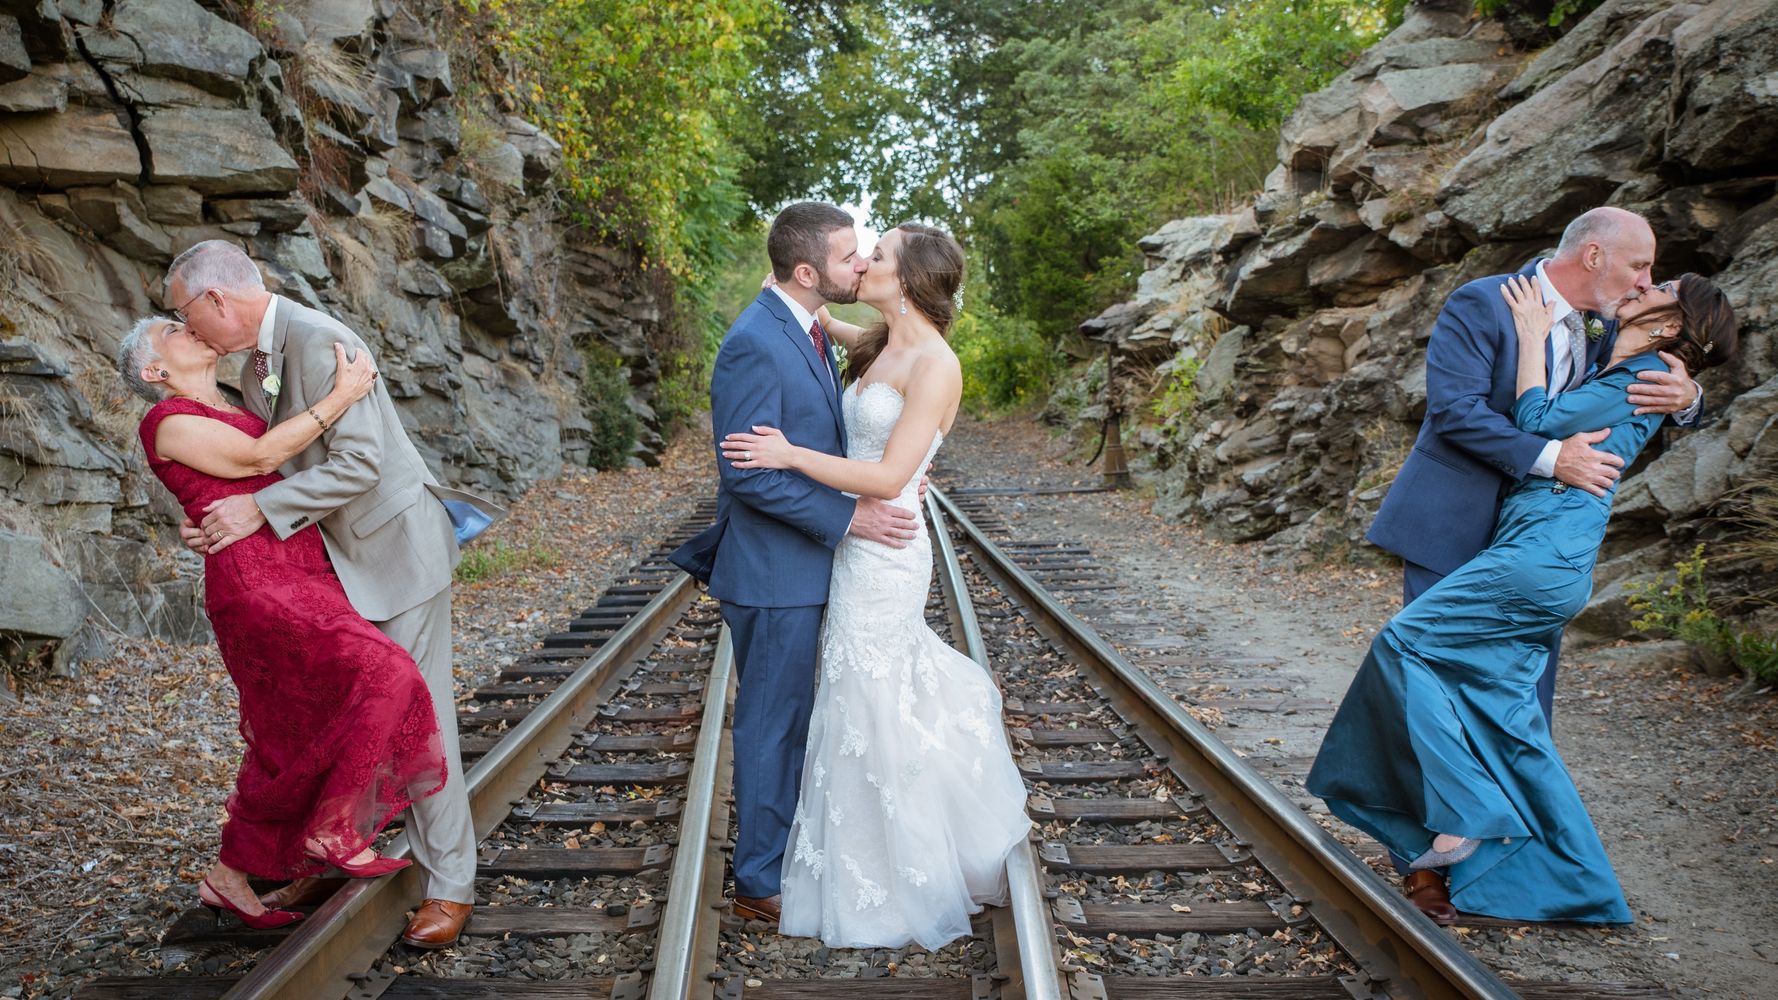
<point>819,336</point>
<point>262,368</point>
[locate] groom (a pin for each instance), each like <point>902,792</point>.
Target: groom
<point>1440,511</point>
<point>770,553</point>
<point>384,518</point>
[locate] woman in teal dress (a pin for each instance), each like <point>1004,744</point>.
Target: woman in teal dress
<point>1439,749</point>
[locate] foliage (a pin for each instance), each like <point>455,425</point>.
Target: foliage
<point>1554,12</point>
<point>1173,405</point>
<point>1006,364</point>
<point>491,559</point>
<point>1054,134</point>
<point>605,399</point>
<point>1683,610</point>
<point>637,95</point>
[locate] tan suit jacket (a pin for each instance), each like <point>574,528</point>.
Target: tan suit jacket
<point>362,481</point>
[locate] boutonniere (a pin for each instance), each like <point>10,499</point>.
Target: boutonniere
<point>271,385</point>
<point>1595,328</point>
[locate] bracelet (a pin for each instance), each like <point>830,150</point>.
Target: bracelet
<point>317,417</point>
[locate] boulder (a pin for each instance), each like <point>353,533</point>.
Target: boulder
<point>542,154</point>
<point>328,20</point>
<point>40,598</point>
<point>80,146</point>
<point>1727,117</point>
<point>117,215</point>
<point>176,39</point>
<point>39,91</point>
<point>15,62</point>
<point>1568,147</point>
<point>1585,41</point>
<point>217,152</point>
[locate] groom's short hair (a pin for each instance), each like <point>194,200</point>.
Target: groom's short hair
<point>215,264</point>
<point>799,236</point>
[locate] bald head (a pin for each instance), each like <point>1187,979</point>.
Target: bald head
<point>1606,227</point>
<point>1605,259</point>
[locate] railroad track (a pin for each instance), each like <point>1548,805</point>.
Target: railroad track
<point>599,775</point>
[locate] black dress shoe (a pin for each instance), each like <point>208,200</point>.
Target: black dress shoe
<point>766,909</point>
<point>1427,891</point>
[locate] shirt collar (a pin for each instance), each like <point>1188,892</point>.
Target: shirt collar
<point>804,318</point>
<point>265,325</point>
<point>1550,295</point>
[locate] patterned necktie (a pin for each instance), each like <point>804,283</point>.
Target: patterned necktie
<point>819,336</point>
<point>1577,350</point>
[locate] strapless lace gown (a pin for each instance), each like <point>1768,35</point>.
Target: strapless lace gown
<point>910,800</point>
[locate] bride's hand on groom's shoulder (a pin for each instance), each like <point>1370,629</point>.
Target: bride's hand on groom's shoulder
<point>765,448</point>
<point>770,280</point>
<point>1531,314</point>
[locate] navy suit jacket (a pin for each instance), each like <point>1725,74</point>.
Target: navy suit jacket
<point>775,531</point>
<point>1440,510</point>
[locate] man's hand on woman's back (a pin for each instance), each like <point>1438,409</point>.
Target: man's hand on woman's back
<point>1582,466</point>
<point>882,522</point>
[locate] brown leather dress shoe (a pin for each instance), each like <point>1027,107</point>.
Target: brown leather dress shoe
<point>437,923</point>
<point>767,909</point>
<point>1427,890</point>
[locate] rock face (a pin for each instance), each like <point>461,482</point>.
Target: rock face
<point>330,144</point>
<point>1445,153</point>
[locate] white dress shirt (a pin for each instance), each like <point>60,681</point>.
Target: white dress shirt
<point>265,325</point>
<point>1561,365</point>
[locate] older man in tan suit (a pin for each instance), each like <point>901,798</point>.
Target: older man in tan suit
<point>381,512</point>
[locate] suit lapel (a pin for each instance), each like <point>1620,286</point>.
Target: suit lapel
<point>818,369</point>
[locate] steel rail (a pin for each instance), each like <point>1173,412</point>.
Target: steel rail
<point>326,953</point>
<point>675,949</point>
<point>1035,932</point>
<point>1391,940</point>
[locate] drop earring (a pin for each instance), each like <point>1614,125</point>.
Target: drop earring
<point>904,303</point>
<point>1657,333</point>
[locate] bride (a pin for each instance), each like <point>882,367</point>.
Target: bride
<point>910,801</point>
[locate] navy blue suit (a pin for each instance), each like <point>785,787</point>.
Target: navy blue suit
<point>1441,509</point>
<point>768,558</point>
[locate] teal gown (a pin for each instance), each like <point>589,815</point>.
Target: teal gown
<point>1441,731</point>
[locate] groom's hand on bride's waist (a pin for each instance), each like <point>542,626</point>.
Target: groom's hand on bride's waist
<point>877,521</point>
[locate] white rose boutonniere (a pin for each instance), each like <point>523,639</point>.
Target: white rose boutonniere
<point>1595,328</point>
<point>271,385</point>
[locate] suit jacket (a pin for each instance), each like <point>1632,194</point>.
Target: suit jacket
<point>380,510</point>
<point>1440,510</point>
<point>773,540</point>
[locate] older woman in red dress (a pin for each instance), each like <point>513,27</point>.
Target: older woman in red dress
<point>338,723</point>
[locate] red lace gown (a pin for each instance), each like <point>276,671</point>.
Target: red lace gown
<point>339,726</point>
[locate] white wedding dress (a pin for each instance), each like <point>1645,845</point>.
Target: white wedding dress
<point>910,799</point>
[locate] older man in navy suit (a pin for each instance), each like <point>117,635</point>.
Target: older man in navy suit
<point>769,555</point>
<point>1441,509</point>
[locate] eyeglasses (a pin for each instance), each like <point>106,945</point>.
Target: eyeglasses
<point>179,311</point>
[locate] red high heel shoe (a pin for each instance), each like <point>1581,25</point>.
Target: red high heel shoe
<point>258,921</point>
<point>376,867</point>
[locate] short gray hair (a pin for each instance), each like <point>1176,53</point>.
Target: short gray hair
<point>1605,225</point>
<point>135,353</point>
<point>215,264</point>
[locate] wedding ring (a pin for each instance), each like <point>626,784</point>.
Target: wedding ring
<point>747,456</point>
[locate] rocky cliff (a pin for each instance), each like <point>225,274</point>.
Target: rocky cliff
<point>350,150</point>
<point>1277,353</point>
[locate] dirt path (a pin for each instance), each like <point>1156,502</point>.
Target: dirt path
<point>1682,785</point>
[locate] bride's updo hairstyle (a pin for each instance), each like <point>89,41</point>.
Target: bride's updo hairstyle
<point>930,269</point>
<point>1707,334</point>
